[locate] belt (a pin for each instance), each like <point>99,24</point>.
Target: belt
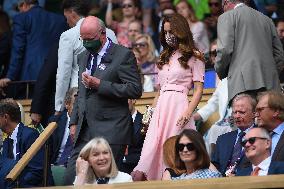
<point>175,88</point>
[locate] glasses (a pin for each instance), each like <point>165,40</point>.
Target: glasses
<point>124,6</point>
<point>251,140</point>
<point>216,4</point>
<point>213,53</point>
<point>260,109</point>
<point>189,146</point>
<point>139,45</point>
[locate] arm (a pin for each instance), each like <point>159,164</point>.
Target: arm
<point>74,119</point>
<point>108,18</point>
<point>225,43</point>
<point>64,69</point>
<point>130,85</point>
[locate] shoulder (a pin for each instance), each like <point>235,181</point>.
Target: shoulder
<point>28,132</point>
<point>71,33</point>
<point>227,136</point>
<point>121,177</point>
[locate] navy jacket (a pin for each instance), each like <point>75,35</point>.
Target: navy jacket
<point>276,167</point>
<point>6,165</point>
<point>32,175</point>
<point>224,150</point>
<point>34,32</point>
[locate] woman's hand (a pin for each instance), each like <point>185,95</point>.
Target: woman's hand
<point>82,166</point>
<point>184,119</point>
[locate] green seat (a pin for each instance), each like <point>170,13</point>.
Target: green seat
<point>58,174</point>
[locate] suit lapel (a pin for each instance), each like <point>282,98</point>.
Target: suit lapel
<point>137,122</point>
<point>231,144</point>
<point>279,146</point>
<point>19,141</point>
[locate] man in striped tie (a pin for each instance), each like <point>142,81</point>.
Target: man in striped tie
<point>257,145</point>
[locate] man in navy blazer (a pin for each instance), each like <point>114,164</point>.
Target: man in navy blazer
<point>34,31</point>
<point>19,140</point>
<point>257,144</point>
<point>133,153</point>
<point>243,113</point>
<point>6,165</point>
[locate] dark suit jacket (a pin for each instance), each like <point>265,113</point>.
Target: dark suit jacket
<point>106,109</point>
<point>44,91</point>
<point>224,150</point>
<point>32,175</point>
<point>135,148</point>
<point>57,136</point>
<point>34,32</point>
<point>278,154</point>
<point>6,165</point>
<point>274,169</point>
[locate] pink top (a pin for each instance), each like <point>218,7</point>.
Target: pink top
<point>174,73</point>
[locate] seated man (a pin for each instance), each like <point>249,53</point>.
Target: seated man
<point>133,152</point>
<point>257,144</point>
<point>6,165</point>
<point>19,140</point>
<point>62,143</point>
<point>228,155</point>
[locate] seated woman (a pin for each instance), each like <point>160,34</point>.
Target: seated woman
<point>96,165</point>
<point>191,154</point>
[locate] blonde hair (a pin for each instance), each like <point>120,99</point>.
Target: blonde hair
<point>151,57</point>
<point>88,149</point>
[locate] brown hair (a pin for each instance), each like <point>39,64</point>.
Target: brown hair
<point>169,155</point>
<point>202,160</point>
<point>192,16</point>
<point>275,101</point>
<point>180,28</point>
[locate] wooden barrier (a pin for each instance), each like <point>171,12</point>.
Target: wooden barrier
<point>15,172</point>
<point>272,181</point>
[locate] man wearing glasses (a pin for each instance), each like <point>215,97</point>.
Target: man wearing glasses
<point>249,51</point>
<point>270,115</point>
<point>257,146</point>
<point>228,156</point>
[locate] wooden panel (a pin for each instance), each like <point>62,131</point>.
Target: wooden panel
<point>272,181</point>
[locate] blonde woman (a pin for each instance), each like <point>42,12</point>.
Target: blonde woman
<point>96,165</point>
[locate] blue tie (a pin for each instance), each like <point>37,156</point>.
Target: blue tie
<point>237,148</point>
<point>66,152</point>
<point>94,66</point>
<point>102,180</point>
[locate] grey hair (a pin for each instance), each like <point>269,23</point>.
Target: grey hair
<point>252,100</point>
<point>102,25</point>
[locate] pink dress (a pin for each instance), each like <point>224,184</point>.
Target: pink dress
<point>175,82</point>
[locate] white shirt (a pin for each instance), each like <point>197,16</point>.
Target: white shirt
<point>264,166</point>
<point>14,137</point>
<point>65,137</point>
<point>134,116</point>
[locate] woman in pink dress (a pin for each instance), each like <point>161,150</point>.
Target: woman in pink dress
<point>180,67</point>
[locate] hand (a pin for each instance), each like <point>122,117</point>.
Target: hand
<point>183,120</point>
<point>4,82</point>
<point>72,130</point>
<point>36,118</point>
<point>90,82</point>
<point>196,116</point>
<point>82,166</point>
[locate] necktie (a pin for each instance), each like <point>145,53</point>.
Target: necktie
<point>255,171</point>
<point>102,180</point>
<point>10,148</point>
<point>237,148</point>
<point>92,63</point>
<point>66,152</point>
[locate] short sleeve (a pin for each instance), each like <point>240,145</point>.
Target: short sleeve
<point>198,70</point>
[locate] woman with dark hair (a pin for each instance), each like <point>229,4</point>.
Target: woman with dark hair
<point>180,66</point>
<point>191,155</point>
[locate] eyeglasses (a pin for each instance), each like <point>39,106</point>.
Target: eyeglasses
<point>213,53</point>
<point>216,4</point>
<point>251,140</point>
<point>189,146</point>
<point>139,45</point>
<point>260,109</point>
<point>126,6</point>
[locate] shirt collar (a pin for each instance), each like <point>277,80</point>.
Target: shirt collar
<point>103,50</point>
<point>79,21</point>
<point>134,115</point>
<point>239,130</point>
<point>238,5</point>
<point>15,133</point>
<point>279,129</point>
<point>264,165</point>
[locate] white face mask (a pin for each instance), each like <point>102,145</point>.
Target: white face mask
<point>171,39</point>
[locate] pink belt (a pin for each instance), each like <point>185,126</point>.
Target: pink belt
<point>174,87</point>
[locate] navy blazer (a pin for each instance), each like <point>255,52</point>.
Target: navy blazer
<point>135,148</point>
<point>224,150</point>
<point>58,134</point>
<point>6,165</point>
<point>32,175</point>
<point>275,168</point>
<point>34,32</point>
